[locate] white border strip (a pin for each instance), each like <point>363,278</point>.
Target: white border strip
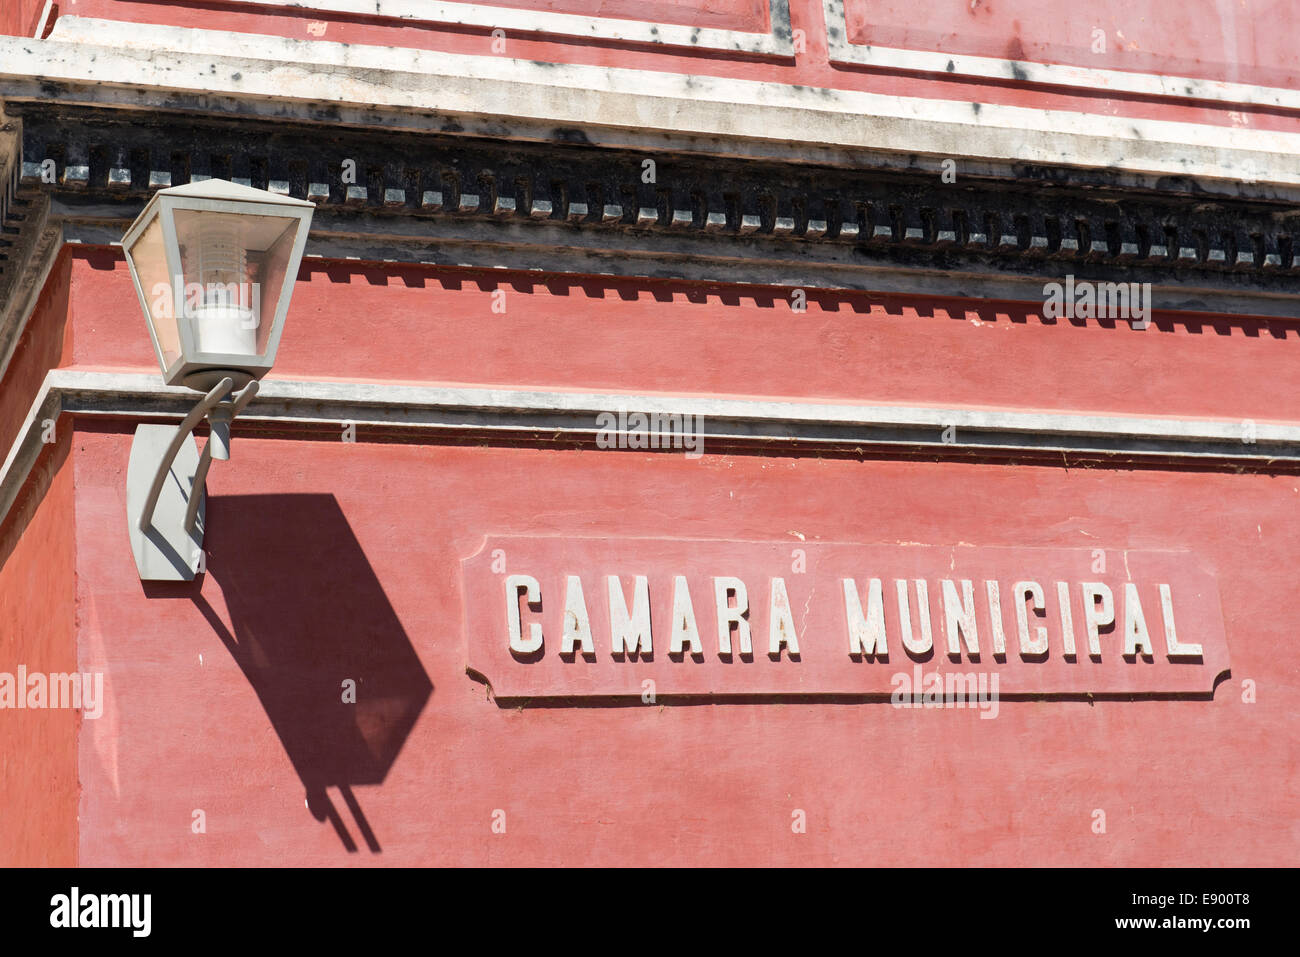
<point>776,42</point>
<point>460,410</point>
<point>43,23</point>
<point>1024,71</point>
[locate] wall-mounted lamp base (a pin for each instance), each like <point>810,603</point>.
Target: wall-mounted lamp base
<point>164,550</point>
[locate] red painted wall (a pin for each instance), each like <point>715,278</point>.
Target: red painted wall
<point>425,324</point>
<point>1189,35</point>
<point>38,748</point>
<point>18,17</point>
<point>1235,41</point>
<point>330,560</point>
<point>38,629</point>
<point>750,15</point>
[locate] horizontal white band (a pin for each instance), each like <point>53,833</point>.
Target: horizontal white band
<point>455,411</point>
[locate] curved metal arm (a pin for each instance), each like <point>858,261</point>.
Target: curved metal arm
<point>182,432</point>
<point>196,490</point>
<point>205,460</point>
<point>244,397</point>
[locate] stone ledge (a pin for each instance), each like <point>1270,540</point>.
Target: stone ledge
<point>450,413</point>
<point>206,71</point>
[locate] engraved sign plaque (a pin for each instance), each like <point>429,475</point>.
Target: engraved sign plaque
<point>561,617</point>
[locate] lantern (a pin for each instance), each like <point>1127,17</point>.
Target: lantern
<point>214,265</point>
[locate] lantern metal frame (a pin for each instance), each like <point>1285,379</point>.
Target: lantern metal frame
<point>166,475</point>
<point>202,370</point>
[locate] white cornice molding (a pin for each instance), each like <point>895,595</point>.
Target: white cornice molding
<point>138,65</point>
<point>451,411</point>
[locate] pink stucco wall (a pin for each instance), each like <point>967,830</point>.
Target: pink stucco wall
<point>39,784</point>
<point>330,560</point>
<point>374,323</point>
<point>1189,39</point>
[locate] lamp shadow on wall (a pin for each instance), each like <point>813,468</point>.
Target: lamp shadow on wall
<point>308,617</point>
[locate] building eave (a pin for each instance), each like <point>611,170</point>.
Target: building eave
<point>109,64</point>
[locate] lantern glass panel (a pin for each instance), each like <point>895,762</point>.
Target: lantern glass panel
<point>233,268</point>
<point>149,258</point>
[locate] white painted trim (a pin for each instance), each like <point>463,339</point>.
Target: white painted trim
<point>128,64</point>
<point>776,42</point>
<point>1053,74</point>
<point>46,12</point>
<point>454,410</point>
<point>27,446</point>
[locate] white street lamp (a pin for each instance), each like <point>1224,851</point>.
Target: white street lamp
<point>214,265</point>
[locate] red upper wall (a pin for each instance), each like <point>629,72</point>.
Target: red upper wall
<point>1239,41</point>
<point>749,15</point>
<point>1191,40</point>
<point>330,560</point>
<point>429,324</point>
<point>38,748</point>
<point>18,17</point>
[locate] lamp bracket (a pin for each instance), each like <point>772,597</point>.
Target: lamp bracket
<point>165,481</point>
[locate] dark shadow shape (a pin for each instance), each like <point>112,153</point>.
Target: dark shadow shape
<point>528,657</point>
<point>1103,631</point>
<point>308,613</point>
<point>100,258</point>
<point>921,657</point>
<point>1220,678</point>
<point>876,657</point>
<point>174,558</point>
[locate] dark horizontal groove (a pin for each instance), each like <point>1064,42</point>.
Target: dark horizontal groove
<point>633,700</point>
<point>1039,223</point>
